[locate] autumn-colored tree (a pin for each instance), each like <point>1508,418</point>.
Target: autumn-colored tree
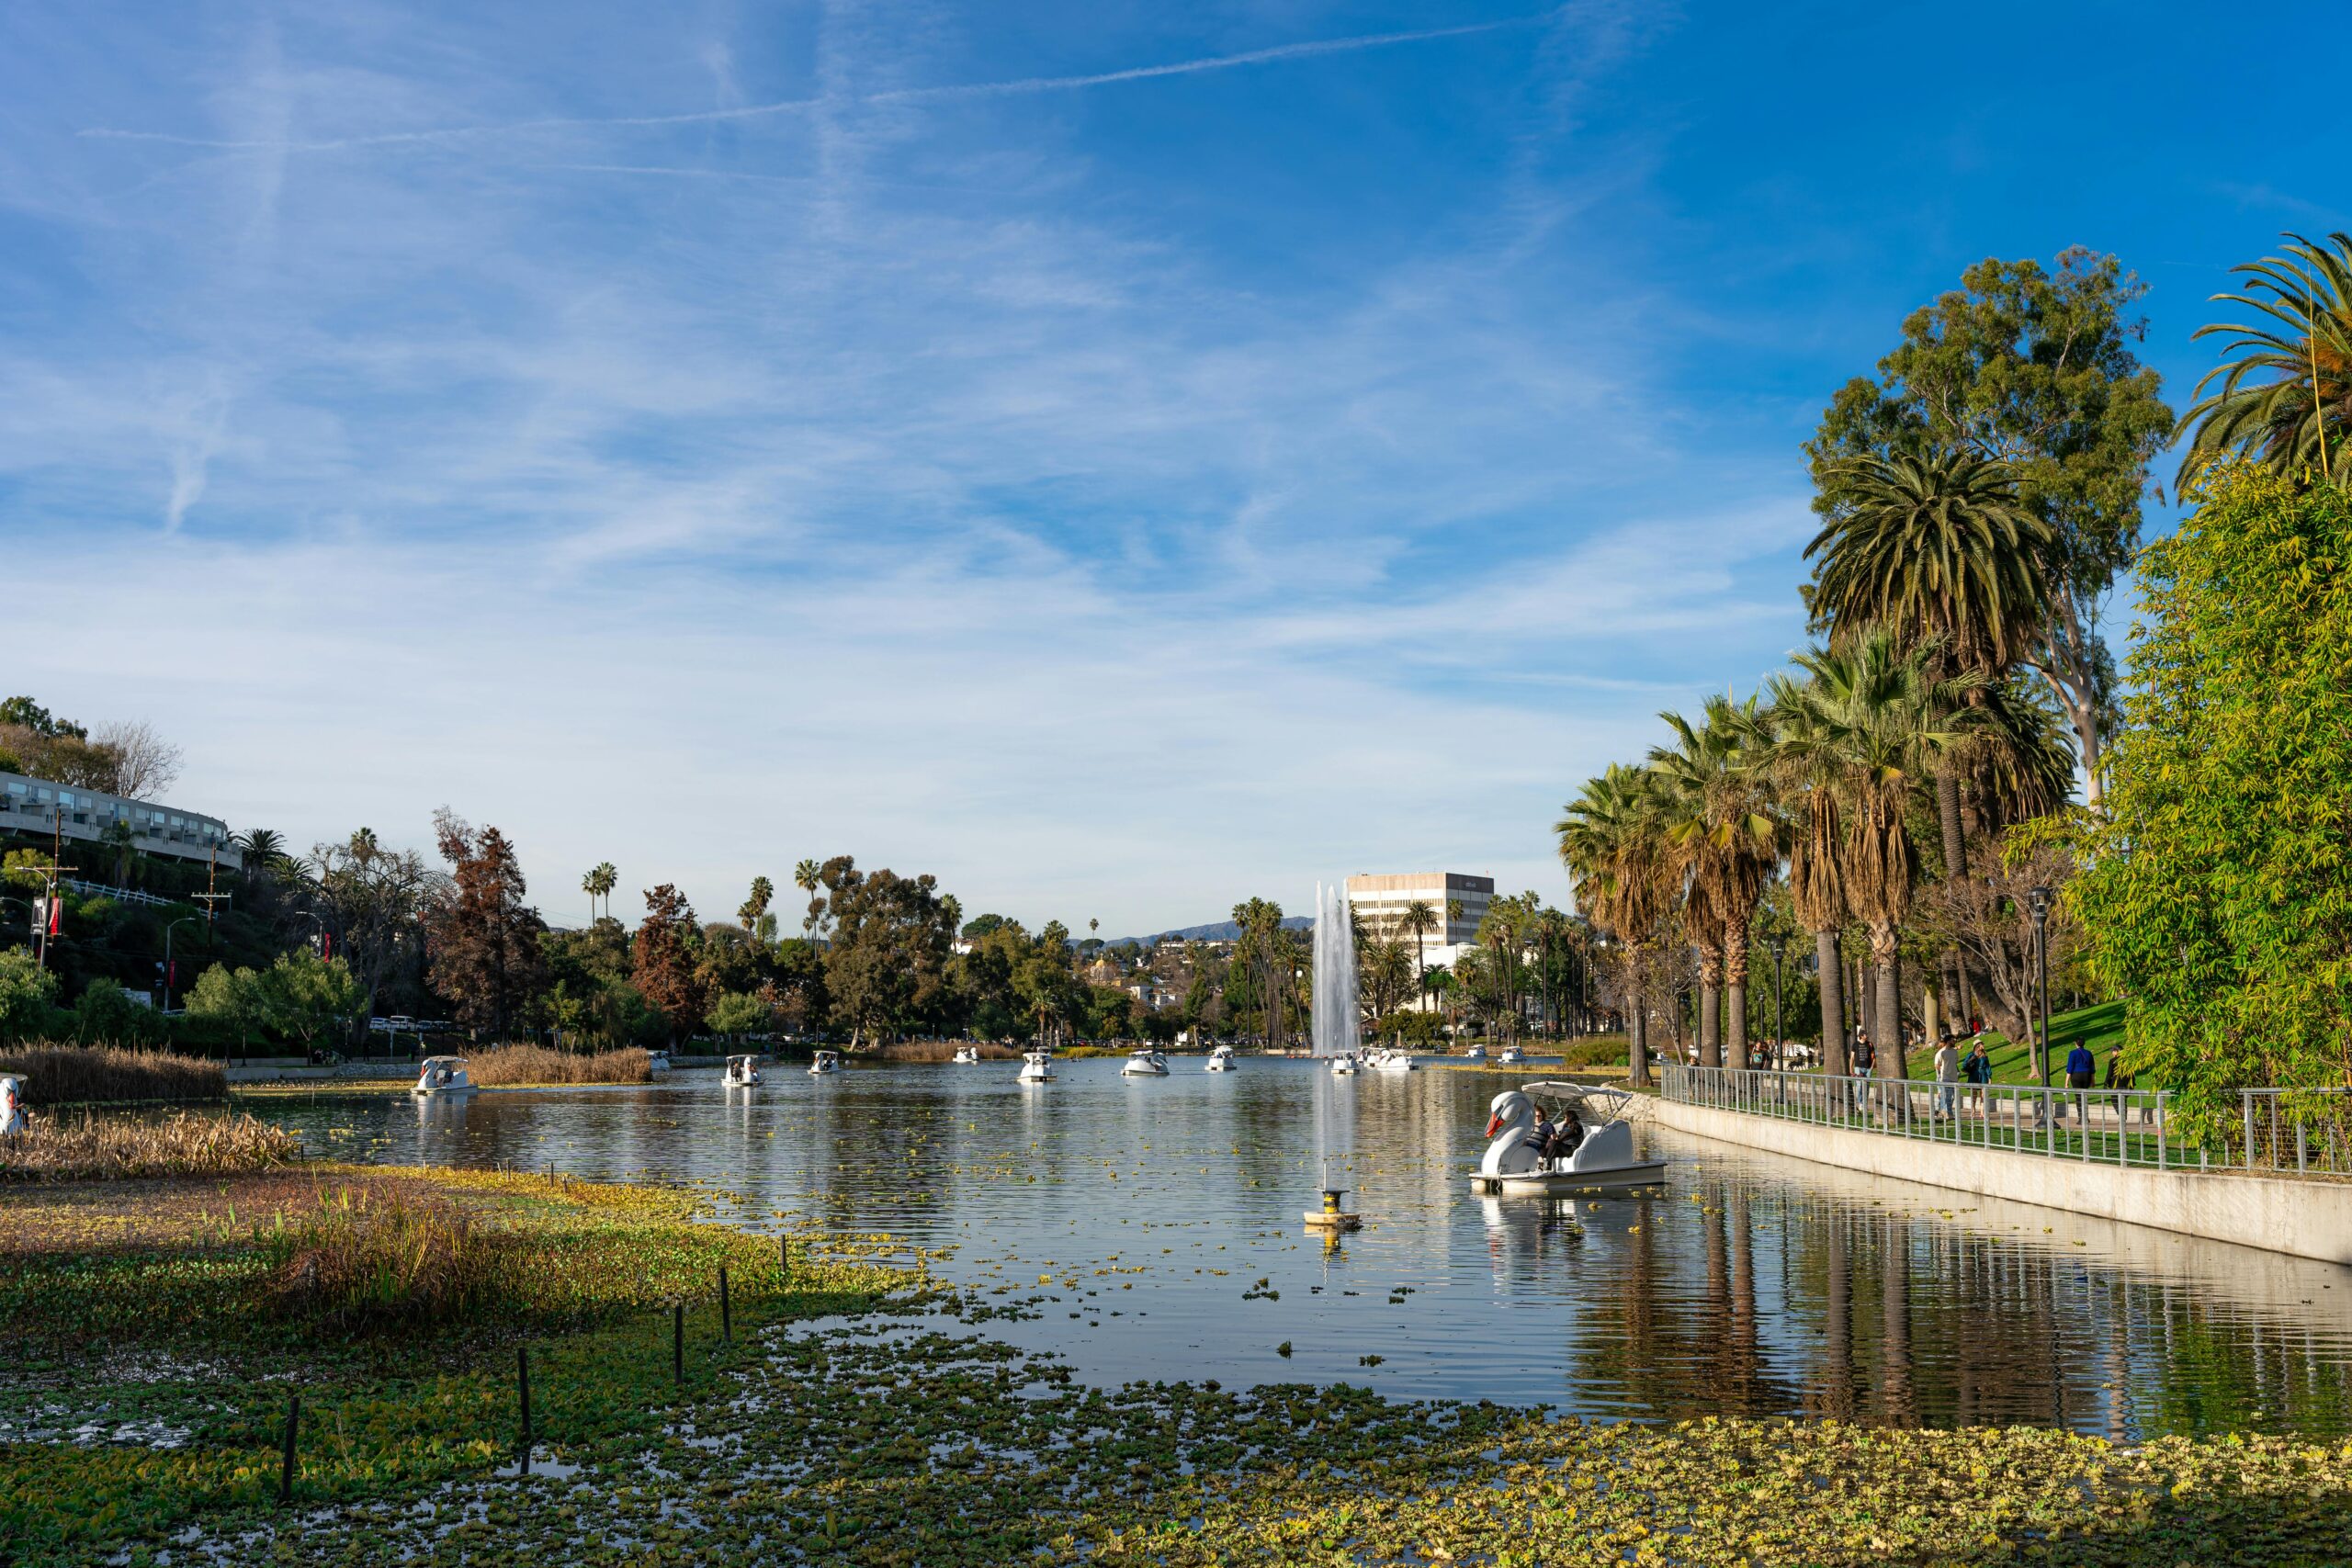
<point>662,960</point>
<point>482,939</point>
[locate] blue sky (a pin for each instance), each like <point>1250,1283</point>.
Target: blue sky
<point>1120,457</point>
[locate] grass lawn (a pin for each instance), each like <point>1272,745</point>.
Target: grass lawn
<point>2100,1026</point>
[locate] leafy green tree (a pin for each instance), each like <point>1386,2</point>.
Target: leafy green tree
<point>2032,366</point>
<point>27,994</point>
<point>737,1013</point>
<point>302,997</point>
<point>885,966</point>
<point>2285,398</point>
<point>231,997</point>
<point>2216,895</point>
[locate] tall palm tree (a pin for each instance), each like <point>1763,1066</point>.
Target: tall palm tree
<point>1419,919</point>
<point>1883,720</point>
<point>1810,772</point>
<point>1721,823</point>
<point>1613,840</point>
<point>1939,550</point>
<point>2286,394</point>
<point>599,884</point>
<point>762,895</point>
<point>805,876</point>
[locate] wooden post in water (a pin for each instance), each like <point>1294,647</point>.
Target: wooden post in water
<point>293,1420</point>
<point>678,1340</point>
<point>523,1382</point>
<point>784,1245</point>
<point>726,1313</point>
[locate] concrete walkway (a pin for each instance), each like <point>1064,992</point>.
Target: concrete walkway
<point>2303,1218</point>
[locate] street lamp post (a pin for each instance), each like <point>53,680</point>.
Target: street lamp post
<point>168,973</point>
<point>2038,899</point>
<point>1779,943</point>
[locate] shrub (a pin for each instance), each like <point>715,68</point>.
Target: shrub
<point>944,1051</point>
<point>101,1075</point>
<point>125,1147</point>
<point>26,991</point>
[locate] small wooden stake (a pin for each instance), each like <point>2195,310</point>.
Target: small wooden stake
<point>726,1313</point>
<point>293,1419</point>
<point>523,1381</point>
<point>678,1340</point>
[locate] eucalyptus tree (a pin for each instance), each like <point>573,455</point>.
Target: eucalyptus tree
<point>1881,718</point>
<point>1611,839</point>
<point>2285,398</point>
<point>1720,819</point>
<point>2033,365</point>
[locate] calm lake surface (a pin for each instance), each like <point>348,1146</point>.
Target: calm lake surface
<point>1155,1224</point>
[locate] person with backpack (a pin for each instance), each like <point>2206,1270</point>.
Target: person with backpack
<point>1977,1069</point>
<point>2082,1072</point>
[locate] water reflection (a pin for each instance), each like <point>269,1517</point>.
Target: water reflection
<point>1744,1284</point>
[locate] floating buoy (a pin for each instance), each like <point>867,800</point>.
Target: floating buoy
<point>1330,1216</point>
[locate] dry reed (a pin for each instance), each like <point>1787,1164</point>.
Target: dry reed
<point>364,1258</point>
<point>101,1075</point>
<point>511,1065</point>
<point>944,1051</point>
<point>116,1148</point>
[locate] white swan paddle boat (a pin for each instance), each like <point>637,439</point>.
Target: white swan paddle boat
<point>1221,1060</point>
<point>742,1072</point>
<point>1605,1158</point>
<point>1387,1059</point>
<point>1145,1064</point>
<point>1036,1066</point>
<point>968,1056</point>
<point>444,1074</point>
<point>825,1062</point>
<point>12,1107</point>
<point>1346,1065</point>
<point>1475,1054</point>
<point>1512,1056</point>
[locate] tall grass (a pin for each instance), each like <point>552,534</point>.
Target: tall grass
<point>366,1259</point>
<point>70,1148</point>
<point>944,1051</point>
<point>101,1075</point>
<point>508,1065</point>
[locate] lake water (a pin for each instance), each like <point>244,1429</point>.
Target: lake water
<point>1156,1224</point>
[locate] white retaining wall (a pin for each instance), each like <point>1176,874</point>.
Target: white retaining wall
<point>2303,1218</point>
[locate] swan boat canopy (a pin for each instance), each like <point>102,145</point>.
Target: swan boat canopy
<point>742,1072</point>
<point>444,1074</point>
<point>1221,1060</point>
<point>1605,1157</point>
<point>1036,1066</point>
<point>1145,1064</point>
<point>825,1062</point>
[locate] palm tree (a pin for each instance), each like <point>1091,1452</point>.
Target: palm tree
<point>1419,919</point>
<point>1721,825</point>
<point>262,850</point>
<point>2285,393</point>
<point>1883,721</point>
<point>762,895</point>
<point>805,876</point>
<point>1613,840</point>
<point>1810,772</point>
<point>1941,551</point>
<point>599,884</point>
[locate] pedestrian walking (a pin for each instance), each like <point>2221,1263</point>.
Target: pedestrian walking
<point>1977,1068</point>
<point>2082,1072</point>
<point>1948,1079</point>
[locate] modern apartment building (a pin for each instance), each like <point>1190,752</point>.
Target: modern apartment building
<point>39,807</point>
<point>1381,901</point>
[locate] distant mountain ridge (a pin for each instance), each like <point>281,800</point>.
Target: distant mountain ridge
<point>1222,931</point>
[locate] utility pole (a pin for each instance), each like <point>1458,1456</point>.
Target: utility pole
<point>46,914</point>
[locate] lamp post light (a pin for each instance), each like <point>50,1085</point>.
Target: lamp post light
<point>2038,899</point>
<point>1779,943</point>
<point>169,973</point>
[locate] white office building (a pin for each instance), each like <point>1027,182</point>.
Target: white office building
<point>1380,902</point>
<point>42,809</point>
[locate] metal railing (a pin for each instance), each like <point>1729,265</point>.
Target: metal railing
<point>2110,1126</point>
